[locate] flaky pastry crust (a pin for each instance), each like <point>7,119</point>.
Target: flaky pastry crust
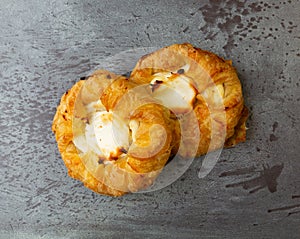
<point>138,167</point>
<point>142,163</point>
<point>209,73</point>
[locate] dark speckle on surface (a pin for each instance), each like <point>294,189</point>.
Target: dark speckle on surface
<point>275,125</point>
<point>46,46</point>
<point>273,138</point>
<point>267,178</point>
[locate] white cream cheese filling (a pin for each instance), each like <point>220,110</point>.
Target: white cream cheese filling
<point>111,133</point>
<point>174,91</point>
<point>105,133</point>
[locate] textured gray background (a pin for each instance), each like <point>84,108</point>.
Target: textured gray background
<point>253,191</point>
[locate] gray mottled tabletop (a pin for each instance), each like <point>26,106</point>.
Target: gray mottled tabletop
<point>252,192</point>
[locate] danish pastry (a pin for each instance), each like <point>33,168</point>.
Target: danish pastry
<point>111,152</point>
<point>115,134</point>
<point>207,84</point>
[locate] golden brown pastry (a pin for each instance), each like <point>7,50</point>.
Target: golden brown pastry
<point>111,153</point>
<point>207,84</point>
<point>116,134</point>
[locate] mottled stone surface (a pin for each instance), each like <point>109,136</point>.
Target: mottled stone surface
<point>253,191</point>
